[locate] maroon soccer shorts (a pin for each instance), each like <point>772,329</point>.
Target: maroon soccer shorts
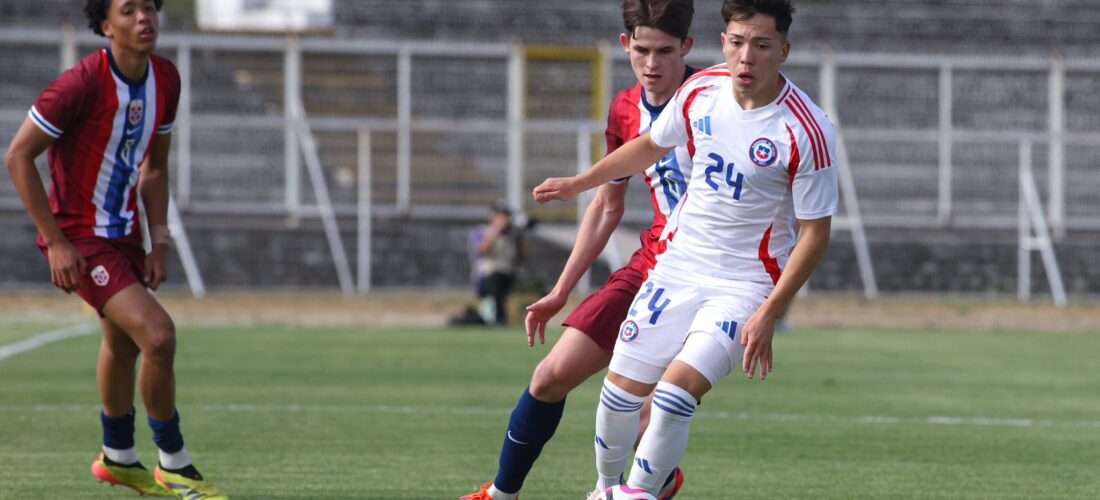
<point>113,264</point>
<point>601,314</point>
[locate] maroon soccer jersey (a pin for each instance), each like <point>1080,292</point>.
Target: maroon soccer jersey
<point>105,125</point>
<point>630,116</point>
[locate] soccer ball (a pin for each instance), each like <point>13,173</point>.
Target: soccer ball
<point>624,492</point>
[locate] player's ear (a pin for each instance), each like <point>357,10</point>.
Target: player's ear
<point>786,51</point>
<point>686,46</point>
<point>625,40</point>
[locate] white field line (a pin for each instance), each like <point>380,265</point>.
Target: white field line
<point>463,411</point>
<point>50,337</point>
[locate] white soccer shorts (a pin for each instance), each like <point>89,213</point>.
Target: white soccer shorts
<point>669,309</point>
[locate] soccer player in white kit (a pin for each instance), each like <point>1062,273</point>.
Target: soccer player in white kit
<point>764,177</point>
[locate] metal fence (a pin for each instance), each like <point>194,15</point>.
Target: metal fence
<point>934,140</point>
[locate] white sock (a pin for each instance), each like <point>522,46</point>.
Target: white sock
<point>617,419</point>
<point>177,460</point>
<point>124,457</point>
<point>496,494</point>
<point>666,438</point>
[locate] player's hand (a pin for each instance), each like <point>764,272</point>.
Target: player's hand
<point>756,336</point>
<point>66,265</point>
<point>556,188</point>
<point>155,266</point>
<point>539,313</point>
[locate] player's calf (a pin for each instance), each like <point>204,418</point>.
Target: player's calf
<point>616,428</point>
<point>665,441</point>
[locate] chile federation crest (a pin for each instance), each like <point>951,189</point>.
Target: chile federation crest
<point>629,331</point>
<point>763,152</point>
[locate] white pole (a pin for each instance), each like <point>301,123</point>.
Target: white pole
<point>182,137</point>
<point>853,217</point>
<point>364,244</point>
<point>1057,126</point>
<point>516,84</point>
<point>324,202</point>
<point>1041,240</point>
<point>1023,255</point>
<point>183,248</point>
<point>827,82</point>
<point>68,47</point>
<point>606,83</point>
<point>945,146</point>
<point>292,81</point>
<point>584,155</point>
<point>404,129</point>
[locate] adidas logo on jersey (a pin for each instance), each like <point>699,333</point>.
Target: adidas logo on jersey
<point>702,125</point>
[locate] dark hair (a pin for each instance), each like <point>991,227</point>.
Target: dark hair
<point>740,10</point>
<point>670,16</point>
<point>96,12</point>
<point>500,206</point>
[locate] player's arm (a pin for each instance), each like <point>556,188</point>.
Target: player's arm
<point>600,220</point>
<point>154,195</point>
<point>66,264</point>
<point>632,158</point>
<point>813,239</point>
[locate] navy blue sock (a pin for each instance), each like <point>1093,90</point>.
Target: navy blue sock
<point>167,433</point>
<point>533,424</point>
<point>118,432</point>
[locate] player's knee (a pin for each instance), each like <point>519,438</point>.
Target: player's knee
<point>551,382</point>
<point>160,340</point>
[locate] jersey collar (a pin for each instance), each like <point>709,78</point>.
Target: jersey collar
<point>120,76</point>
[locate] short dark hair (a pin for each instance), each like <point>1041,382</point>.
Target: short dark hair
<point>740,10</point>
<point>670,16</point>
<point>96,12</point>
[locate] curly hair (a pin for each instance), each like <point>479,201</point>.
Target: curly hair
<point>96,12</point>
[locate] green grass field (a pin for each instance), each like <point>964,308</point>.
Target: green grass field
<point>281,413</point>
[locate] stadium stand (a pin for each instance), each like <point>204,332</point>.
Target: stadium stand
<point>896,178</point>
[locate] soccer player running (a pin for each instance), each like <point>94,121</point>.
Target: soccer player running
<point>106,123</point>
<point>657,41</point>
<point>764,166</point>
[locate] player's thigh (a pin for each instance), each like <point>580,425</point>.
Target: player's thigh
<point>713,345</point>
<point>137,312</point>
<point>574,358</point>
<point>655,327</point>
<point>111,267</point>
<point>601,314</point>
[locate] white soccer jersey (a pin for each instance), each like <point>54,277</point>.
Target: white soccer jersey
<point>755,172</point>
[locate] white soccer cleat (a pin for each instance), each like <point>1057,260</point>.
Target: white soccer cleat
<point>623,492</point>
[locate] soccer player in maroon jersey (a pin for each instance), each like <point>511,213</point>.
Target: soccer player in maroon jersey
<point>106,124</point>
<point>657,41</point>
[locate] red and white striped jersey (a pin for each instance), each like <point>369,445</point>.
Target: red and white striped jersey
<point>105,126</point>
<point>631,116</point>
<point>755,173</point>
